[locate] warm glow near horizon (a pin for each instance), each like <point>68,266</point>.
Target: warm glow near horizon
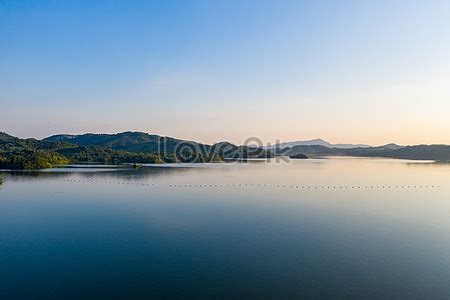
<point>345,71</point>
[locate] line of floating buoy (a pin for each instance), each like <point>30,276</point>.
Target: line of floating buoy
<point>256,185</point>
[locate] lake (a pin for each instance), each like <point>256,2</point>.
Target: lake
<point>336,227</point>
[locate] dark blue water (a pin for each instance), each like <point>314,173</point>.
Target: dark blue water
<point>334,228</point>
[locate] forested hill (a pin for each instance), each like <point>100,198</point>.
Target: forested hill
<point>140,142</point>
<point>129,141</point>
<point>127,147</point>
<point>18,153</point>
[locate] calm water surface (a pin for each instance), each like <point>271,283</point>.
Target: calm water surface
<point>317,228</point>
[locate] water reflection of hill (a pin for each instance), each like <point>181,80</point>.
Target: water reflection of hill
<point>143,173</point>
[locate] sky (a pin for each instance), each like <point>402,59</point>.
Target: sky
<point>369,72</point>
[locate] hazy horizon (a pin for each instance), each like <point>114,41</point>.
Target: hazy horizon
<point>347,72</point>
<point>250,138</point>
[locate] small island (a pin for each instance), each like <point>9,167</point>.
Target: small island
<point>298,156</point>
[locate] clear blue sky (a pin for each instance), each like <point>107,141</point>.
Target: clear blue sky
<point>347,71</point>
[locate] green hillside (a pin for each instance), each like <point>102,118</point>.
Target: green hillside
<point>126,147</point>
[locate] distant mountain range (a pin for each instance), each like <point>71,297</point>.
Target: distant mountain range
<point>316,142</point>
<point>419,152</point>
<point>139,147</point>
<point>324,150</point>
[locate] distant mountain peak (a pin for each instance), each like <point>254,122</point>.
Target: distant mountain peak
<point>318,140</point>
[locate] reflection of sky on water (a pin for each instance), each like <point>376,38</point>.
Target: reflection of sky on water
<point>321,172</point>
<point>206,231</point>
